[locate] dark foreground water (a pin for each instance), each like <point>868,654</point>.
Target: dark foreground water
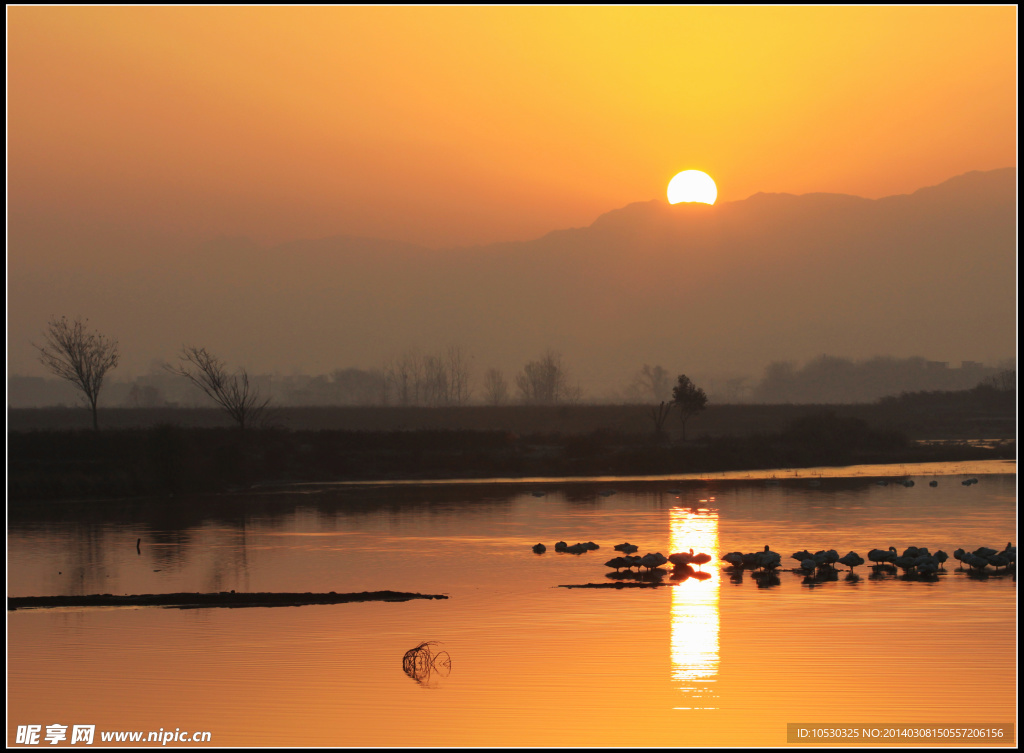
<point>720,661</point>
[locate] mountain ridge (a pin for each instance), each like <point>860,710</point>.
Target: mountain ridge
<point>706,290</point>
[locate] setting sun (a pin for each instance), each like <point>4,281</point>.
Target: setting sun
<point>692,185</point>
<point>353,298</point>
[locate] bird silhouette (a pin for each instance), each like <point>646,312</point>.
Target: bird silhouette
<point>905,563</point>
<point>1011,551</point>
<point>651,561</point>
<point>975,561</point>
<point>827,557</point>
<point>766,559</point>
<point>618,563</point>
<point>734,558</point>
<point>681,559</point>
<point>701,558</point>
<point>851,560</point>
<point>999,559</point>
<point>880,556</point>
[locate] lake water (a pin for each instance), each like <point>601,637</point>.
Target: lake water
<point>721,661</point>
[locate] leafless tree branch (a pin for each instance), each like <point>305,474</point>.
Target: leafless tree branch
<point>232,392</point>
<point>546,382</point>
<point>80,357</point>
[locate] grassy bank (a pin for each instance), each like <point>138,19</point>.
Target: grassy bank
<point>949,416</point>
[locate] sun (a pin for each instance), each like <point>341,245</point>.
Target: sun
<point>692,185</point>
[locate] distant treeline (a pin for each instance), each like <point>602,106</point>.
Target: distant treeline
<point>997,394</point>
<point>828,379</point>
<point>446,380</point>
<point>984,412</point>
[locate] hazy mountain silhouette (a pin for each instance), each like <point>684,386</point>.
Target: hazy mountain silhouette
<point>705,290</point>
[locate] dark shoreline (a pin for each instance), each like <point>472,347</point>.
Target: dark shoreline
<point>228,599</point>
<point>921,416</point>
<point>479,442</point>
<point>171,462</point>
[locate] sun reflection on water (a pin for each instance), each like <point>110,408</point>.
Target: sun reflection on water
<point>695,604</point>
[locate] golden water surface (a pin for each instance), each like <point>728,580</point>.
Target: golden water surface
<point>724,660</point>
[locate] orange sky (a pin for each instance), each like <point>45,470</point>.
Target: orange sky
<point>450,126</point>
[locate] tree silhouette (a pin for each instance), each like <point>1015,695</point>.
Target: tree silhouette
<point>659,415</point>
<point>232,392</point>
<point>689,399</point>
<point>495,387</point>
<point>82,358</point>
<point>546,382</point>
<point>650,383</point>
<point>433,379</point>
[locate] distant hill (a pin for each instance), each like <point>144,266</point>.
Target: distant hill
<point>708,291</point>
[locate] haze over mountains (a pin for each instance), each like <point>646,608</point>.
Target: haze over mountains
<point>713,292</point>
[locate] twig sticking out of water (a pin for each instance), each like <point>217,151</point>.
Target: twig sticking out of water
<point>421,661</point>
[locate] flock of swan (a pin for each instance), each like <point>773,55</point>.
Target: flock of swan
<point>913,560</point>
<point>917,560</point>
<point>682,562</point>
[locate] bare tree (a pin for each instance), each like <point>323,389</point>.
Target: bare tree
<point>232,392</point>
<point>1003,381</point>
<point>546,382</point>
<point>82,358</point>
<point>659,415</point>
<point>433,386</point>
<point>458,376</point>
<point>405,378</point>
<point>495,387</point>
<point>651,383</point>
<point>433,379</point>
